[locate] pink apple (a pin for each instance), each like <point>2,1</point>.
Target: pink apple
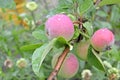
<point>59,25</point>
<point>69,67</point>
<point>102,39</point>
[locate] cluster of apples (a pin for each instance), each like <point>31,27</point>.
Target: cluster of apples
<point>60,25</point>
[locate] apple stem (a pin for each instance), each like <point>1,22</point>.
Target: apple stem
<point>77,22</point>
<point>59,63</point>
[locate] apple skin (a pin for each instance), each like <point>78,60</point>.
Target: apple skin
<point>59,25</point>
<point>102,39</point>
<point>81,49</point>
<point>69,67</point>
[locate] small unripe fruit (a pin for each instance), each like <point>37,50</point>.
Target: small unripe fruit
<point>59,25</point>
<point>81,49</point>
<point>102,39</point>
<point>21,63</point>
<point>31,6</point>
<point>69,67</point>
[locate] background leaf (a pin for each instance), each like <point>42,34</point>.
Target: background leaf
<point>95,60</point>
<point>30,47</point>
<point>85,5</point>
<point>9,4</point>
<point>40,35</point>
<point>89,27</point>
<point>103,24</point>
<point>106,2</point>
<point>115,16</point>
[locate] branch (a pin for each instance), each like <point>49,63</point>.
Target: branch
<point>97,2</point>
<point>77,22</point>
<point>59,63</point>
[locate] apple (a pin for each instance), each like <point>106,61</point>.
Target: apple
<point>102,39</point>
<point>59,25</point>
<point>69,67</point>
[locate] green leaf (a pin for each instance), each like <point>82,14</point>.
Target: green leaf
<point>94,59</point>
<point>9,4</point>
<point>106,2</point>
<point>101,13</point>
<point>39,35</point>
<point>72,17</point>
<point>30,47</point>
<point>60,42</point>
<point>39,55</point>
<point>114,53</point>
<point>42,74</point>
<point>85,5</point>
<point>103,24</point>
<point>1,24</point>
<point>115,15</point>
<point>88,27</point>
<point>76,33</point>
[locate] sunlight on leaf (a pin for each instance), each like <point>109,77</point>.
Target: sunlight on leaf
<point>39,55</point>
<point>60,42</point>
<point>106,2</point>
<point>30,47</point>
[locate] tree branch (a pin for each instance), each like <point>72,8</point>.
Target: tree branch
<point>77,22</point>
<point>97,2</point>
<point>59,63</point>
